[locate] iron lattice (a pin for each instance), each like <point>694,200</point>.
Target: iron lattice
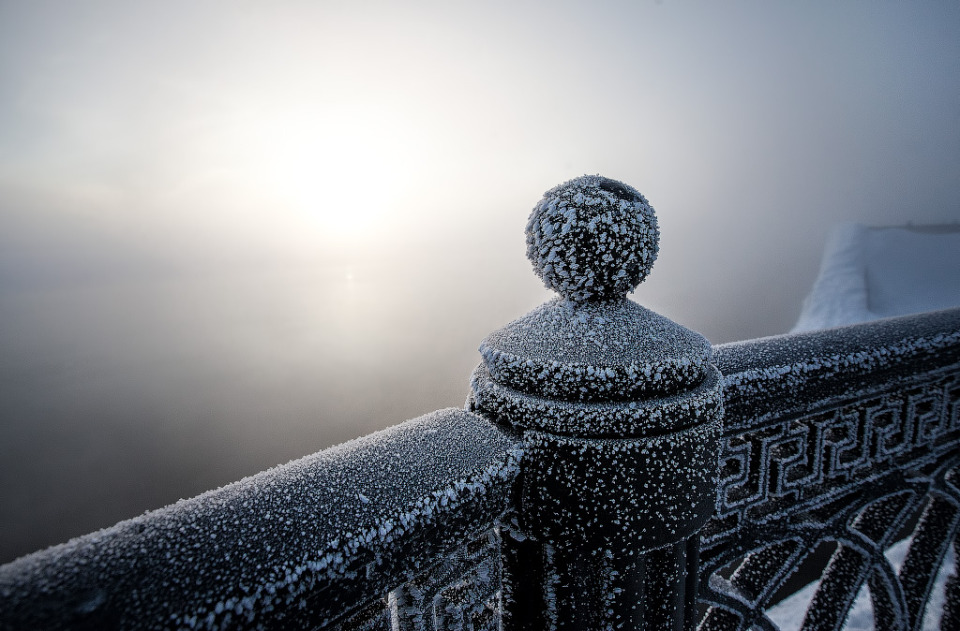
<point>856,476</point>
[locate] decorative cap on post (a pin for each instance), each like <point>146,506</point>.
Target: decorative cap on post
<point>593,240</point>
<point>620,409</point>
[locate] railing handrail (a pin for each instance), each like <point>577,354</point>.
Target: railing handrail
<point>348,522</point>
<point>767,376</point>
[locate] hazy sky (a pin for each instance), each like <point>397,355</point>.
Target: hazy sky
<point>232,233</point>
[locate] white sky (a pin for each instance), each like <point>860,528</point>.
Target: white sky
<point>183,134</point>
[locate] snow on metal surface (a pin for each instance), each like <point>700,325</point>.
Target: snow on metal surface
<point>769,374</point>
<point>257,549</point>
<point>597,419</point>
<point>839,435</point>
<point>610,351</point>
<point>592,238</point>
<point>788,614</point>
<point>620,410</point>
<point>635,493</point>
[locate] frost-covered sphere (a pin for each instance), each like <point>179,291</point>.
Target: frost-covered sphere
<point>592,238</point>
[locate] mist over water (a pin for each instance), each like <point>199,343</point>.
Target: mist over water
<point>231,236</point>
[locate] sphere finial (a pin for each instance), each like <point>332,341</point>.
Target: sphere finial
<point>592,239</point>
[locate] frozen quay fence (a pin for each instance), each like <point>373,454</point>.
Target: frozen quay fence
<point>610,470</point>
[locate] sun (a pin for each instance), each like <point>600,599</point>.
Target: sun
<point>341,169</point>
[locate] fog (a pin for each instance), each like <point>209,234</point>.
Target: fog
<point>233,234</point>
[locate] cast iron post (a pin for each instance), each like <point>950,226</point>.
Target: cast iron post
<point>620,409</point>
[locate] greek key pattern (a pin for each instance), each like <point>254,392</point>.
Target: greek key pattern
<point>842,483</point>
<point>814,457</point>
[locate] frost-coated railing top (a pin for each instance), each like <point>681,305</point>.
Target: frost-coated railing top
<point>767,376</point>
<point>292,547</point>
<point>605,475</point>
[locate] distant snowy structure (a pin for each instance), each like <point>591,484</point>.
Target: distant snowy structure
<point>870,273</point>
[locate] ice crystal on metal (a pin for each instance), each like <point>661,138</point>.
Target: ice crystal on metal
<point>592,238</point>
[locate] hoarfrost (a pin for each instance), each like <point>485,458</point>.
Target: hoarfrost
<point>592,238</point>
<point>788,613</point>
<point>610,351</point>
<point>312,524</point>
<point>620,410</point>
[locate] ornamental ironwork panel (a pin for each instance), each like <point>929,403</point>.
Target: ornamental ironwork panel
<point>831,488</point>
<point>461,592</point>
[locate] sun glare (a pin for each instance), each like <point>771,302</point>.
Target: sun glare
<point>343,170</point>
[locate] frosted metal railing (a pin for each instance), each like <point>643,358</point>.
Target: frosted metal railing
<point>611,470</point>
<point>836,445</point>
<point>299,546</point>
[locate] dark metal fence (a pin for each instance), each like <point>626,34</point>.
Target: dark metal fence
<point>611,471</point>
<point>843,440</point>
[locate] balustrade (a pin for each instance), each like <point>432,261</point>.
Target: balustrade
<point>611,470</point>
